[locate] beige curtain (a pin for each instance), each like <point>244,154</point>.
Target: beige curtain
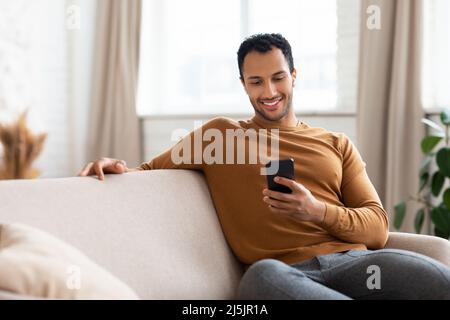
<point>114,127</point>
<point>389,108</point>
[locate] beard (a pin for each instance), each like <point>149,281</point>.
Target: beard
<point>287,105</point>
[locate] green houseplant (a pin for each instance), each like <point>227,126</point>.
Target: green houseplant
<point>431,184</point>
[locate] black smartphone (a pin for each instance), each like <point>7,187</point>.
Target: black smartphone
<point>284,168</point>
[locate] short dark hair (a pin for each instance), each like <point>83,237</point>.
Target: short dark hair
<point>263,42</point>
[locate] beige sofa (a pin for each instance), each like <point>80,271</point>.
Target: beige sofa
<point>157,230</point>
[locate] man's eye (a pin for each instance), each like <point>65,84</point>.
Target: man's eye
<point>255,83</point>
<point>279,79</point>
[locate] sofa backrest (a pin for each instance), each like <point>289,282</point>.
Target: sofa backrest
<point>155,230</point>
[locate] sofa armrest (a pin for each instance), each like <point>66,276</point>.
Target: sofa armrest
<point>431,246</point>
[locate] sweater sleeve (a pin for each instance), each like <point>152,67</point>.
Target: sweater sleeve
<point>180,156</point>
<point>362,219</point>
<point>187,153</point>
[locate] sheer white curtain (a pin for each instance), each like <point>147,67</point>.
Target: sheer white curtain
<point>114,126</point>
<point>390,109</point>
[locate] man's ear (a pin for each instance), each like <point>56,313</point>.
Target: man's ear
<point>294,76</point>
<point>243,84</point>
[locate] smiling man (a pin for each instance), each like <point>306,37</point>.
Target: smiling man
<point>324,240</point>
<point>269,80</point>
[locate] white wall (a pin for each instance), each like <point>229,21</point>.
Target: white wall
<point>45,66</point>
<point>38,60</point>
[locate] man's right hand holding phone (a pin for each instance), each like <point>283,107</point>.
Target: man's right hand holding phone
<point>300,204</point>
<point>286,196</point>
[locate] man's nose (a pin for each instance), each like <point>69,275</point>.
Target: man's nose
<point>269,90</point>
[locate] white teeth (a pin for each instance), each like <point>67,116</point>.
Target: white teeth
<point>272,103</point>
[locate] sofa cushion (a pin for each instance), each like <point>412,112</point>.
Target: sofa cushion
<point>35,263</point>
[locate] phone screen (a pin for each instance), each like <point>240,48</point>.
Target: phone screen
<point>285,169</point>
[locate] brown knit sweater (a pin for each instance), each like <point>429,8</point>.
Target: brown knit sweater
<point>326,163</point>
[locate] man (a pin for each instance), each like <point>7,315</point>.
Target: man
<point>326,238</point>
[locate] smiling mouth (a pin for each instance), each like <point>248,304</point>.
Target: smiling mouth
<point>271,105</point>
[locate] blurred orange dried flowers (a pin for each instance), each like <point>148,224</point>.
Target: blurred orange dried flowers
<point>20,149</point>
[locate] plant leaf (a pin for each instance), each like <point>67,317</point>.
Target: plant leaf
<point>437,183</point>
<point>441,219</point>
<point>443,161</point>
<point>429,142</point>
<point>446,198</point>
<point>423,180</point>
<point>400,210</point>
<point>424,166</point>
<point>418,221</point>
<point>440,132</point>
<point>445,116</point>
<point>439,233</point>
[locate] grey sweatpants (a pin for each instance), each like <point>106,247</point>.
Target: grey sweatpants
<point>354,274</point>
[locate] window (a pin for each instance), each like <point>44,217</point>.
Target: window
<point>436,53</point>
<point>188,61</point>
